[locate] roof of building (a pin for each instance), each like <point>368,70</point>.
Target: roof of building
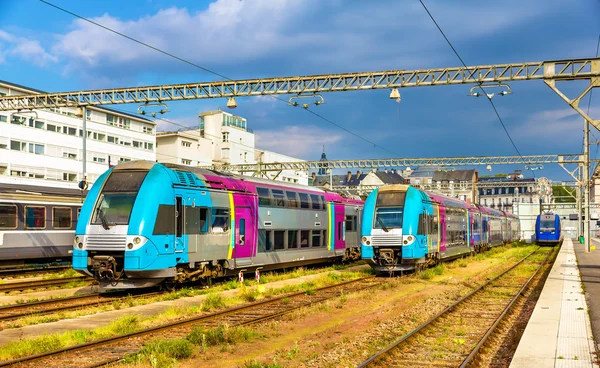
<point>178,133</point>
<point>15,85</point>
<point>390,177</point>
<point>423,172</point>
<point>356,178</point>
<point>505,179</point>
<point>455,175</point>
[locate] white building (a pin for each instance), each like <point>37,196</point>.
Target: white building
<point>233,142</point>
<point>221,138</point>
<point>184,148</point>
<point>44,147</point>
<point>290,176</point>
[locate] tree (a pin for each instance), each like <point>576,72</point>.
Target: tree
<point>563,194</point>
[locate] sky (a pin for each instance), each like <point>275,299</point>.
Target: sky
<point>45,48</point>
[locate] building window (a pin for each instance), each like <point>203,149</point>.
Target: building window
<point>147,130</point>
<point>186,144</point>
<point>38,149</point>
<point>118,121</point>
<point>186,161</point>
<point>148,146</point>
<point>3,118</point>
<point>18,145</point>
<point>53,128</point>
<point>137,144</point>
<point>69,177</point>
<point>226,137</point>
<point>124,159</point>
<point>99,159</point>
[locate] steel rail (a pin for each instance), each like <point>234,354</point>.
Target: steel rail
<point>553,70</point>
<point>95,300</point>
<point>171,325</point>
<point>18,286</point>
<point>380,354</point>
<point>492,328</point>
<point>30,270</point>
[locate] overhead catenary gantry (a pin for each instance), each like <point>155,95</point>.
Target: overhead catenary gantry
<point>550,71</point>
<point>442,162</point>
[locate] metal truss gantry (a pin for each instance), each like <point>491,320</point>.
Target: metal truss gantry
<point>261,167</point>
<point>549,71</point>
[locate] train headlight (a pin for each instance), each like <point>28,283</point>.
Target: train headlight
<point>137,240</point>
<point>405,242</point>
<point>80,245</point>
<point>364,239</point>
<point>76,239</point>
<point>368,242</point>
<point>130,246</point>
<point>410,238</point>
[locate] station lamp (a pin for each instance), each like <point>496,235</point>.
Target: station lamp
<point>231,103</point>
<point>395,94</point>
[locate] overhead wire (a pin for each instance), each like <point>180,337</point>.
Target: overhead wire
<point>478,83</point>
<point>205,69</point>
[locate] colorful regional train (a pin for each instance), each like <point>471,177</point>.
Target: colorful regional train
<point>405,228</point>
<point>145,223</point>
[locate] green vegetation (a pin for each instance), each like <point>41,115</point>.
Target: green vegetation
<point>563,194</point>
<point>162,353</point>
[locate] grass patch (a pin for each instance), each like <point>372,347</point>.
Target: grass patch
<point>162,353</point>
<point>222,335</point>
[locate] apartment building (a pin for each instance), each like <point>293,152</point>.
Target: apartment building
<point>45,147</point>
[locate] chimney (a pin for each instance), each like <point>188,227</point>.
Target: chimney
<point>349,176</point>
<point>357,174</point>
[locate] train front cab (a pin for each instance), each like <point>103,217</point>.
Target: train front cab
<point>390,241</point>
<point>119,232</point>
<point>547,229</point>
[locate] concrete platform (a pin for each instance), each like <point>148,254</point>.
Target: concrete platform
<point>559,333</point>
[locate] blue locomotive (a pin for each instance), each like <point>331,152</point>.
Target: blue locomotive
<point>547,229</point>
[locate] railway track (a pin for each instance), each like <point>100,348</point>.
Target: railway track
<point>28,271</point>
<point>36,284</point>
<point>110,350</point>
<point>16,311</point>
<point>453,337</point>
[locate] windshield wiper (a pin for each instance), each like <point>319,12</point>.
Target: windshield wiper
<point>380,221</point>
<point>105,224</point>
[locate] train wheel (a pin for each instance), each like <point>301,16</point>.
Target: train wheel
<point>168,285</point>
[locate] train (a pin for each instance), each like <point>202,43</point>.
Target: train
<point>547,229</point>
<point>146,223</point>
<point>37,223</point>
<point>404,228</point>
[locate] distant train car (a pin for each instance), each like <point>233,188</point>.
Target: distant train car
<point>145,223</point>
<point>547,229</point>
<point>37,223</point>
<point>405,228</point>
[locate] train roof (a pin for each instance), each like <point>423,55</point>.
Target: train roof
<point>21,189</point>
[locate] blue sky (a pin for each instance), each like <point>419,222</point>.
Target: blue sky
<point>44,48</point>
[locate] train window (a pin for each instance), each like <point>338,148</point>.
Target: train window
<point>165,220</point>
<point>292,199</point>
<point>421,225</point>
<point>61,217</point>
<point>279,239</point>
<point>304,238</point>
<point>339,230</point>
<point>304,203</point>
<point>35,217</point>
<point>8,217</point>
<point>220,220</point>
<point>389,199</point>
<point>315,202</point>
<point>350,223</point>
<point>292,239</point>
<point>323,203</point>
<point>265,243</point>
<point>264,198</point>
<point>179,214</point>
<point>324,238</point>
<point>124,181</point>
<point>195,220</point>
<point>242,231</point>
<point>316,238</point>
<point>278,198</point>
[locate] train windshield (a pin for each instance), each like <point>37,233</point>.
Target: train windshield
<point>117,198</point>
<point>547,224</point>
<point>388,218</point>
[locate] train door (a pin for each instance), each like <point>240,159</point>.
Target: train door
<point>340,226</point>
<point>179,221</point>
<point>245,226</point>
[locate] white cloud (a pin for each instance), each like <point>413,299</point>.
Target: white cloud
<point>563,124</point>
<point>239,36</point>
<point>297,141</point>
<point>23,48</point>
